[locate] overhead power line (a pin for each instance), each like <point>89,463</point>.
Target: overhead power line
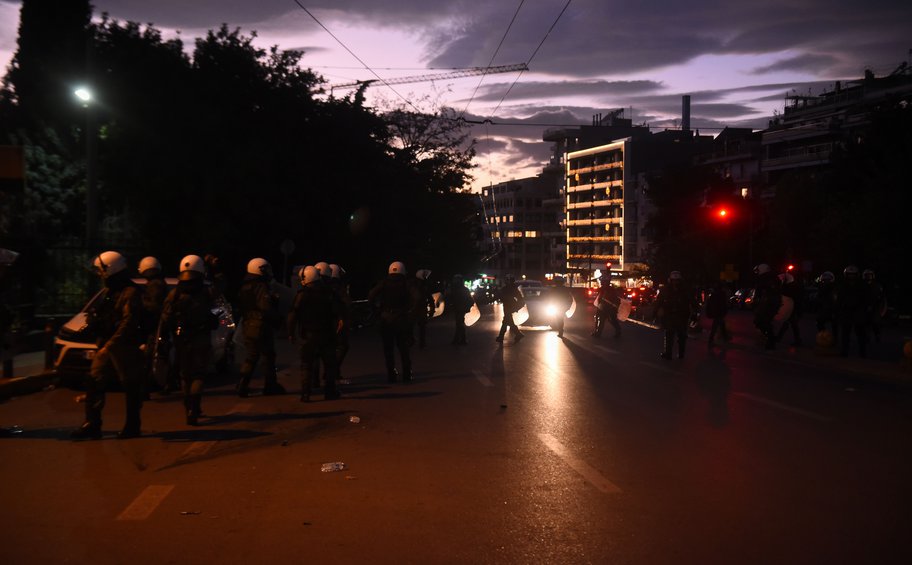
<point>494,56</point>
<point>471,71</point>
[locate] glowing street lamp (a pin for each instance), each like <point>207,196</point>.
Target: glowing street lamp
<point>83,94</point>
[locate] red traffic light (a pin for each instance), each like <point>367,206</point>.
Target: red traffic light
<point>790,268</point>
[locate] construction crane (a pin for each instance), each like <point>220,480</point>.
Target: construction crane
<point>471,71</point>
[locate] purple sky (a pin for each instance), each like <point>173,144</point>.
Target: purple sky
<point>736,59</point>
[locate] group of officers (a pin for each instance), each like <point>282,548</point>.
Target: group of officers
<point>134,326</point>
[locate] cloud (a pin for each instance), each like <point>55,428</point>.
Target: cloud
<point>539,89</point>
<point>805,62</point>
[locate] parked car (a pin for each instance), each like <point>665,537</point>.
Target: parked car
<point>74,345</point>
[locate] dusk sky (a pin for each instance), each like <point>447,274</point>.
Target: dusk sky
<point>736,59</point>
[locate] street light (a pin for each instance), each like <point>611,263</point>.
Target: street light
<point>84,94</point>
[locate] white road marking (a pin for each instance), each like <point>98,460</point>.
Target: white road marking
<point>780,406</point>
<point>645,324</point>
<point>587,472</point>
<point>197,449</point>
<point>482,378</point>
<point>240,408</point>
<point>146,503</point>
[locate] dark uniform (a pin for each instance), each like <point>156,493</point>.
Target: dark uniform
<point>878,303</point>
<point>792,289</point>
<point>426,312</point>
<point>607,302</point>
<point>563,298</point>
<point>767,301</point>
<point>399,302</point>
<point>826,305</point>
<point>512,300</point>
<point>153,298</point>
<point>674,306</point>
<point>115,319</point>
<point>316,317</point>
<point>853,311</point>
<point>343,301</point>
<point>188,319</point>
<point>458,303</point>
<point>259,312</point>
<point>716,310</point>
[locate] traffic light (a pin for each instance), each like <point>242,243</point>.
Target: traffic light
<point>722,213</point>
<point>790,268</point>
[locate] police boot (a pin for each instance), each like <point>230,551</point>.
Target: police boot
<point>272,387</point>
<point>91,427</point>
<point>194,409</point>
<point>243,386</point>
<point>132,427</point>
<point>666,348</point>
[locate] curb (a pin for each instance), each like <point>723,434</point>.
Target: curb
<point>20,386</point>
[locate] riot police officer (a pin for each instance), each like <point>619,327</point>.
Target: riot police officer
<point>427,300</point>
<point>115,320</point>
<point>607,303</point>
<point>397,299</point>
<point>153,297</point>
<point>316,317</point>
<point>853,310</point>
<point>767,301</point>
<point>458,303</point>
<point>258,307</point>
<point>512,300</point>
<point>878,303</point>
<point>188,319</point>
<point>674,306</point>
<point>564,300</point>
<point>340,288</point>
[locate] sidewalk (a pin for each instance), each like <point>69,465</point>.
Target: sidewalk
<point>29,375</point>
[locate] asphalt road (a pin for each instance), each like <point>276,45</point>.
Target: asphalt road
<point>580,450</point>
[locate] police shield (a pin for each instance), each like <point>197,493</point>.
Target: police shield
<point>521,316</point>
<point>624,309</point>
<point>473,315</point>
<point>439,304</point>
<point>570,311</point>
<point>785,309</point>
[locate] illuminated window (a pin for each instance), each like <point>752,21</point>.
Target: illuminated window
<point>531,234</point>
<point>514,234</point>
<point>511,217</point>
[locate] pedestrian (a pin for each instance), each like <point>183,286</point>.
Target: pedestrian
<point>767,301</point>
<point>793,289</point>
<point>853,311</point>
<point>563,300</point>
<point>425,313</point>
<point>716,310</point>
<point>512,301</point>
<point>259,315</point>
<point>396,298</point>
<point>188,320</point>
<point>674,306</point>
<point>316,317</point>
<point>114,319</point>
<point>878,303</point>
<point>338,284</point>
<point>607,303</point>
<point>153,297</point>
<point>458,303</point>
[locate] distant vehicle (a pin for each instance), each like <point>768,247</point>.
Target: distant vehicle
<point>543,308</point>
<point>74,345</point>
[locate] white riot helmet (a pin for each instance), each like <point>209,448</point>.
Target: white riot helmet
<point>192,267</point>
<point>109,263</point>
<point>309,274</point>
<point>827,277</point>
<point>675,276</point>
<point>850,271</point>
<point>396,268</point>
<point>148,264</point>
<point>762,269</point>
<point>336,270</point>
<point>867,275</point>
<point>323,268</point>
<point>786,278</point>
<point>423,274</point>
<point>259,266</point>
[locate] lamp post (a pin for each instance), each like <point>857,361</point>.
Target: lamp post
<point>87,99</point>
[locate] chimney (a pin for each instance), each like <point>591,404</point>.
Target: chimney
<point>685,113</point>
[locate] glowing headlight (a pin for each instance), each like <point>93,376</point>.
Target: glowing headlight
<point>551,310</point>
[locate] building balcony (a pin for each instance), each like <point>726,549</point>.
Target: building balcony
<point>794,161</point>
<point>594,222</point>
<point>586,257</point>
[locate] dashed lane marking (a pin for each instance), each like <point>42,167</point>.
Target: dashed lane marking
<point>146,503</point>
<point>781,406</point>
<point>592,476</point>
<point>482,378</point>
